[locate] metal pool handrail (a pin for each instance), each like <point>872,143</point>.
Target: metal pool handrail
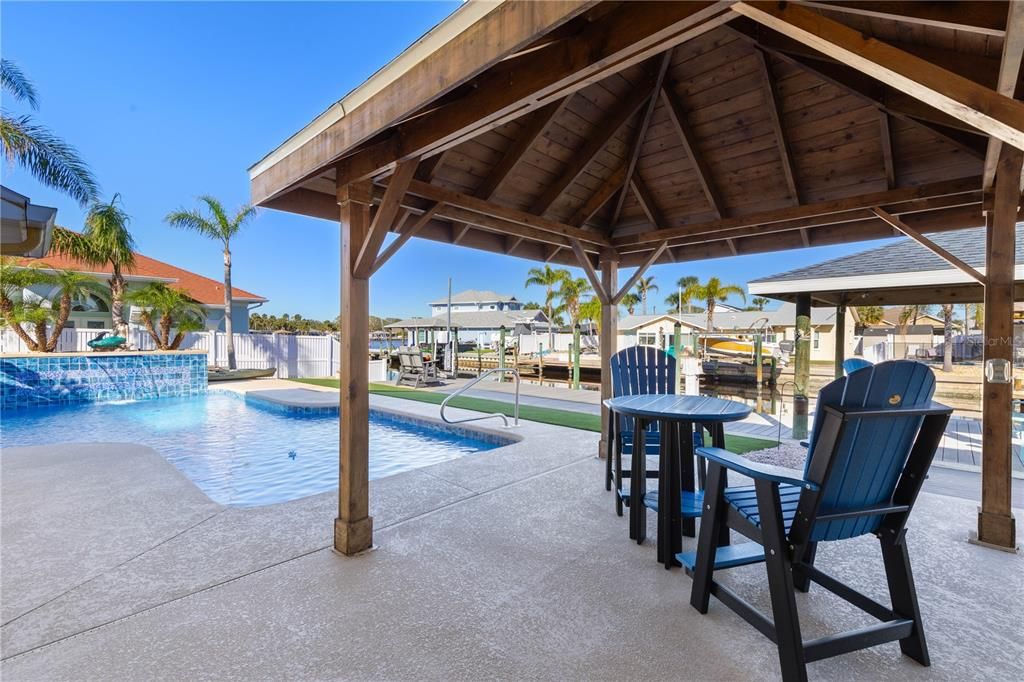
<point>515,374</point>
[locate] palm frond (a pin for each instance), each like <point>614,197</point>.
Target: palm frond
<point>220,216</point>
<point>48,158</point>
<point>14,81</point>
<point>195,221</point>
<point>106,227</point>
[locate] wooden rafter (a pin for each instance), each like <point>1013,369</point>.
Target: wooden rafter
<point>646,201</point>
<point>928,244</point>
<point>588,268</point>
<point>599,198</point>
<point>677,116</point>
<point>640,134</point>
<point>813,211</point>
<point>885,136</point>
<point>595,143</point>
<point>773,102</point>
<point>640,271</point>
<point>975,16</point>
<point>960,97</point>
<point>621,38</point>
<point>1009,73</point>
<point>383,221</point>
<point>406,234</point>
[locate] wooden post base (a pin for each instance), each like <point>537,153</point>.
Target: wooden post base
<point>996,530</point>
<point>352,538</point>
<point>602,449</point>
<point>800,416</point>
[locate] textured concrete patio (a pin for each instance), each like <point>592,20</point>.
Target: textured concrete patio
<point>509,564</point>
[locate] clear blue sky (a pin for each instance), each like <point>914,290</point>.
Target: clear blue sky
<point>167,101</point>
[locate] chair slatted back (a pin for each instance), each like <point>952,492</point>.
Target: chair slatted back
<point>864,466</point>
<point>851,365</point>
<point>642,370</point>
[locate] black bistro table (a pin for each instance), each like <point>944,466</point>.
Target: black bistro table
<point>676,415</point>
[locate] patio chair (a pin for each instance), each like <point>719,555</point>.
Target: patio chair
<point>414,370</point>
<point>851,365</point>
<point>871,447</point>
<point>639,370</point>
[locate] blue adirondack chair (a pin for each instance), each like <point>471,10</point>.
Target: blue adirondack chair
<point>851,365</point>
<point>872,443</point>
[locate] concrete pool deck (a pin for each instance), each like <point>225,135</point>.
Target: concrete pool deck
<point>509,564</point>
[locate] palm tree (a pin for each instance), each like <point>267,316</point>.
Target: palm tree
<point>105,241</point>
<point>549,278</point>
<point>220,226</point>
<point>682,284</point>
<point>570,292</point>
<point>644,286</point>
<point>759,302</point>
<point>870,314</point>
<point>14,280</point>
<point>711,293</point>
<point>35,148</point>
<point>71,285</point>
<point>17,312</point>
<point>630,301</point>
<point>164,308</point>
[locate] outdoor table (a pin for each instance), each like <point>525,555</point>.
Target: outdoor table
<point>676,415</point>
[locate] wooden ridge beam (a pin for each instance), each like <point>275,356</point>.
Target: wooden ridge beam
<point>641,133</point>
<point>928,244</point>
<point>1009,75</point>
<point>621,38</point>
<point>997,115</point>
<point>774,104</point>
<point>475,205</point>
<point>640,271</point>
<point>588,268</point>
<point>821,208</point>
<point>404,236</point>
<point>384,220</point>
<point>610,126</point>
<point>677,116</point>
<point>976,16</point>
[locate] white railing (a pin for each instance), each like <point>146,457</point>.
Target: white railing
<point>496,415</point>
<point>293,357</point>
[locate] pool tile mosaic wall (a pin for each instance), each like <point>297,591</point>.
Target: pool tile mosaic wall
<point>42,380</point>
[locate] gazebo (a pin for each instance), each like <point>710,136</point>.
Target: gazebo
<point>613,135</point>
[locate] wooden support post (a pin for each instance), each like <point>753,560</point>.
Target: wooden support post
<point>609,264</point>
<point>576,356</point>
<point>801,365</point>
<point>840,333</point>
<point>353,529</point>
<point>996,525</point>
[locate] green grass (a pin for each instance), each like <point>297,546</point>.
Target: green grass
<point>544,415</point>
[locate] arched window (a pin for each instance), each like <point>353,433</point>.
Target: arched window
<point>89,304</point>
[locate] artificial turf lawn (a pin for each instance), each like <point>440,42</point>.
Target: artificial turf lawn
<point>544,415</point>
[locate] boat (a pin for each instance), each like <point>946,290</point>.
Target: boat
<point>224,374</point>
<point>733,371</point>
<point>732,347</point>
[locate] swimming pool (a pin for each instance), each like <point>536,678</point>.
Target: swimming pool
<point>238,452</point>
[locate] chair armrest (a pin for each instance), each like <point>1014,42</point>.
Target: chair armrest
<point>933,409</point>
<point>764,472</point>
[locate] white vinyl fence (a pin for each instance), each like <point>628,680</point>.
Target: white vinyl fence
<point>293,357</point>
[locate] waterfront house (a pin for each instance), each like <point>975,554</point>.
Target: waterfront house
<point>473,300</point>
<point>94,313</point>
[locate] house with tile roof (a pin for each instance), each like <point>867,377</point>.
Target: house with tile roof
<point>94,313</point>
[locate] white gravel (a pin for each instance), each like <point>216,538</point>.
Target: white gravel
<point>789,454</point>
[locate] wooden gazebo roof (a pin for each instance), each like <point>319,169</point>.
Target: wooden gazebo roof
<point>672,131</point>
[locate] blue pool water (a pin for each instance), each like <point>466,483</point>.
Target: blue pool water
<point>237,452</point>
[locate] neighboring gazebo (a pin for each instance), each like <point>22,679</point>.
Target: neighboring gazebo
<point>611,135</point>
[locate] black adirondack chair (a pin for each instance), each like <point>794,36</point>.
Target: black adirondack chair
<point>873,440</point>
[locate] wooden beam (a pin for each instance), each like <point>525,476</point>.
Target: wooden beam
<point>996,525</point>
<point>646,201</point>
<point>550,251</point>
<point>805,238</point>
<point>885,135</point>
<point>641,269</point>
<point>459,231</point>
<point>641,133</point>
<point>608,339</point>
<point>928,244</point>
<point>588,268</point>
<point>595,142</point>
<point>384,219</point>
<point>532,129</point>
<point>460,200</point>
<point>511,243</point>
<point>1009,75</point>
<point>821,208</point>
<point>960,97</point>
<point>353,529</point>
<point>405,236</point>
<point>985,18</point>
<point>621,38</point>
<point>599,198</point>
<point>774,104</point>
<point>677,116</point>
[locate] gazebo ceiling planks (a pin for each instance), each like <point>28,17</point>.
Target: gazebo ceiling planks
<point>694,130</point>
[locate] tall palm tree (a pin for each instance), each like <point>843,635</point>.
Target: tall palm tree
<point>164,309</point>
<point>711,293</point>
<point>35,148</point>
<point>644,286</point>
<point>682,284</point>
<point>570,292</point>
<point>218,225</point>
<point>106,240</point>
<point>549,278</point>
<point>630,301</point>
